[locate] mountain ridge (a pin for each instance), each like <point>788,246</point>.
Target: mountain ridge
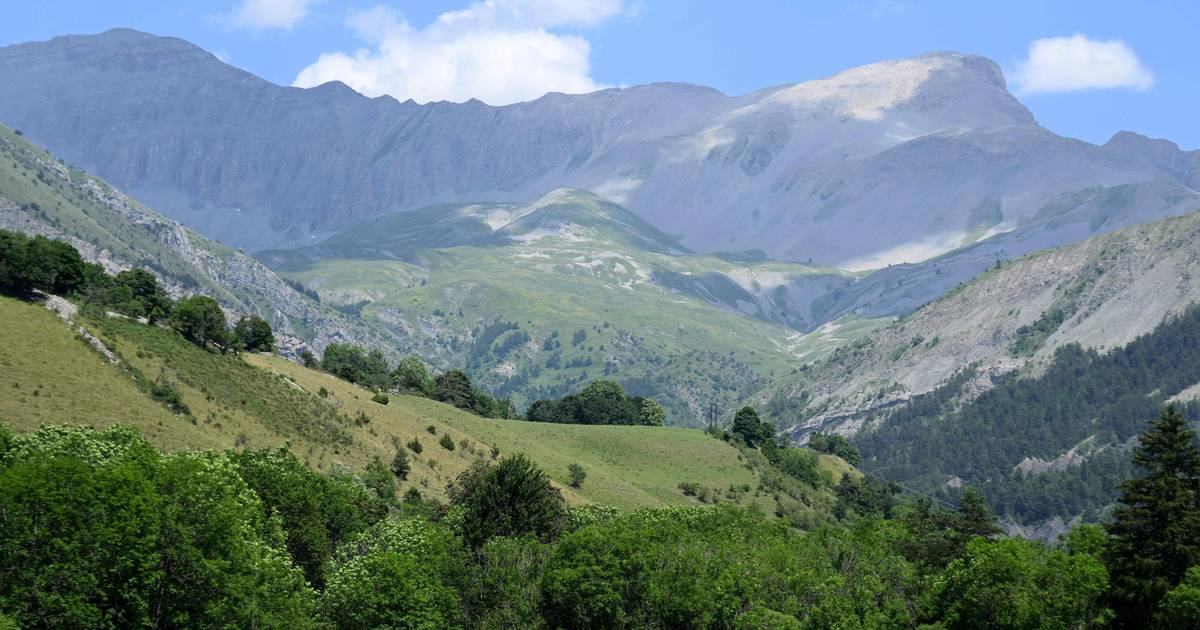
<point>780,169</point>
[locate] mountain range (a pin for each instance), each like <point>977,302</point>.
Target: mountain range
<point>914,158</point>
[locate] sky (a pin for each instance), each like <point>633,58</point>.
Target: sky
<point>1085,69</point>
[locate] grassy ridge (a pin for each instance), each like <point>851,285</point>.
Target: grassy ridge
<point>265,401</point>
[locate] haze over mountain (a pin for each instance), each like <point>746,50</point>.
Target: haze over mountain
<point>887,163</point>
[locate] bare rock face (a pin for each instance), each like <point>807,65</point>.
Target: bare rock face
<point>1112,289</point>
<point>893,162</point>
<point>119,233</point>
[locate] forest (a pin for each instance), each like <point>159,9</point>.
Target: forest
<point>103,530</point>
<point>1096,402</point>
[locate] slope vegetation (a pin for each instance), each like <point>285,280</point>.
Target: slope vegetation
<point>265,401</point>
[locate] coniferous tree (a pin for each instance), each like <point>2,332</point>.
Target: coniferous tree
<point>1155,533</point>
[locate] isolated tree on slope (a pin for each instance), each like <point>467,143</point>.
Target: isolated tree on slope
<point>1156,528</point>
<point>254,333</point>
<point>201,320</point>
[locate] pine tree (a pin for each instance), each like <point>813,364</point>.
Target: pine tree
<point>1156,528</point>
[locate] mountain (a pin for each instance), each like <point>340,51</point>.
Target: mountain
<point>914,158</point>
<point>1101,293</point>
<point>536,299</point>
<point>1028,382</point>
<point>40,194</point>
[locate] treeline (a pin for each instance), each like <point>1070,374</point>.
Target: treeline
<point>38,264</point>
<point>102,530</point>
<point>370,369</point>
<point>1081,395</point>
<point>601,402</point>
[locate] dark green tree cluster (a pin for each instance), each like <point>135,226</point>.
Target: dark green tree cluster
<point>38,264</point>
<point>35,264</point>
<point>835,444</point>
<point>601,402</point>
<point>410,376</point>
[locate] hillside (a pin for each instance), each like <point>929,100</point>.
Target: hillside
<point>1101,293</point>
<point>937,140</point>
<point>536,299</point>
<point>260,401</point>
<point>40,194</point>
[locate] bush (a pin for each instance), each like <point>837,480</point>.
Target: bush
<point>381,398</point>
<point>513,498</point>
<point>400,465</point>
<point>446,442</point>
<point>414,445</point>
<point>577,474</point>
<point>164,392</point>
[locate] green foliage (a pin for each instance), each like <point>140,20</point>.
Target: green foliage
<point>835,444</point>
<point>398,574</point>
<point>512,498</point>
<point>356,365</point>
<point>200,320</point>
<point>100,530</point>
<point>601,402</point>
<point>707,567</point>
<point>381,398</point>
<point>317,513</point>
<point>447,442</point>
<point>165,392</point>
<point>38,263</point>
<point>1013,583</point>
<point>400,466</point>
<point>412,375</point>
<point>506,593</point>
<point>379,479</point>
<point>748,427</point>
<point>1155,531</point>
<point>414,445</point>
<point>136,293</point>
<point>1180,607</point>
<point>254,334</point>
<point>577,474</point>
<point>454,387</point>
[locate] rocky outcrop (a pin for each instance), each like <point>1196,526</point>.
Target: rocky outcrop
<point>1108,290</point>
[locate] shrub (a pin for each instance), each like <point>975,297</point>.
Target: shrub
<point>414,445</point>
<point>446,442</point>
<point>431,429</point>
<point>512,498</point>
<point>400,465</point>
<point>577,474</point>
<point>381,398</point>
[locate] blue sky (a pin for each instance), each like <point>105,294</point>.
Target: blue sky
<point>504,50</point>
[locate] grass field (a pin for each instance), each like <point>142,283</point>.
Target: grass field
<point>48,375</point>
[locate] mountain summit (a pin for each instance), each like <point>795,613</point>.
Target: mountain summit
<point>914,157</point>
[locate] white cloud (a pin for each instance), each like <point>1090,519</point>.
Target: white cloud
<point>1064,64</point>
<point>264,14</point>
<point>498,51</point>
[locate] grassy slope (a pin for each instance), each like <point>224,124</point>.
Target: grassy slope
<point>266,401</point>
<point>590,275</point>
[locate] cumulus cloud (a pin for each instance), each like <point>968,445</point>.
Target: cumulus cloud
<point>266,14</point>
<point>1064,64</point>
<point>499,51</point>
